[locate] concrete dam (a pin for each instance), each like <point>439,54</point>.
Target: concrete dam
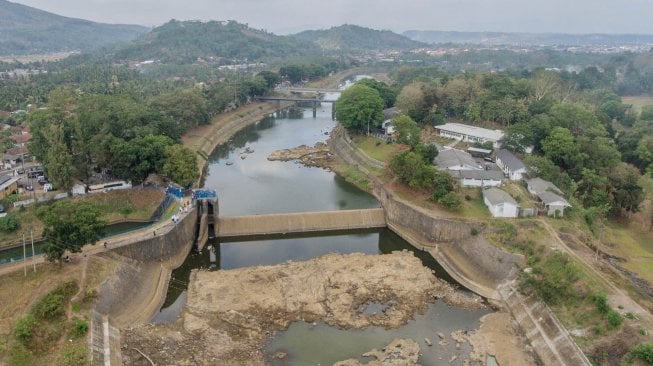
<point>300,222</point>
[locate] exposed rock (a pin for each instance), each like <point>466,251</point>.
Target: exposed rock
<point>318,155</point>
<point>400,352</point>
<point>230,313</point>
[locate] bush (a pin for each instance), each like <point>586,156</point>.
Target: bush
<point>450,201</point>
<point>80,327</point>
<point>614,319</point>
<point>468,197</point>
<point>9,223</point>
<point>552,279</point>
<point>644,352</point>
<point>474,231</point>
<point>601,302</point>
<point>50,307</point>
<point>24,328</point>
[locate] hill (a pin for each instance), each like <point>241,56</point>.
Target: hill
<point>25,30</point>
<point>188,41</point>
<point>353,37</point>
<point>527,39</point>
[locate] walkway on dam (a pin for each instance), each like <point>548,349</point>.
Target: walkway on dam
<point>300,222</point>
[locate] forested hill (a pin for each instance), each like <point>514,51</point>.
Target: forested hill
<point>25,30</point>
<point>353,37</point>
<point>545,39</point>
<point>187,41</point>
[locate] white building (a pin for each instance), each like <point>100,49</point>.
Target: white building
<point>555,205</point>
<point>536,186</point>
<point>469,133</point>
<point>452,159</point>
<point>510,164</point>
<point>478,178</point>
<point>500,203</point>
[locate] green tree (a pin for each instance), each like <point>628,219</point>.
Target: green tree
<point>560,147</point>
<point>59,164</point>
<point>360,108</point>
<point>405,165</point>
<point>181,165</point>
<point>408,132</point>
<point>134,160</point>
<point>186,106</point>
<point>69,225</point>
<point>626,191</point>
<point>388,95</point>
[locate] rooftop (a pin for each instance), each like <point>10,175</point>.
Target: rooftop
<point>493,135</point>
<point>497,196</point>
<point>510,160</point>
<point>538,185</point>
<point>479,174</point>
<point>550,197</point>
<point>454,158</point>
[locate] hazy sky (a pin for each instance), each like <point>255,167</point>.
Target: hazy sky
<point>283,16</point>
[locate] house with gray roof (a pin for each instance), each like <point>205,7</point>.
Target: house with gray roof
<point>510,164</point>
<point>452,159</point>
<point>469,133</point>
<point>500,203</point>
<point>554,204</point>
<point>478,178</point>
<point>536,186</point>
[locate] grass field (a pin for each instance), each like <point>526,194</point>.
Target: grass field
<point>638,101</point>
<point>375,148</point>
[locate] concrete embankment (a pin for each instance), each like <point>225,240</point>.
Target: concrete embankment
<point>476,264</point>
<point>300,222</point>
<point>470,260</point>
<point>139,285</point>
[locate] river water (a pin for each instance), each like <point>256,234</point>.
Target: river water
<point>247,183</point>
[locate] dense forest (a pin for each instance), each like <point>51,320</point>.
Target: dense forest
<point>26,30</point>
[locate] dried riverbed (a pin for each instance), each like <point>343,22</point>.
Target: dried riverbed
<point>230,314</point>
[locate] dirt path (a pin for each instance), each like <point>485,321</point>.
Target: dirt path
<point>616,296</point>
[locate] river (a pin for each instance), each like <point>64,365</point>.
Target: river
<point>247,183</point>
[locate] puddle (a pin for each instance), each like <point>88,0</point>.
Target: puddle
<point>321,344</point>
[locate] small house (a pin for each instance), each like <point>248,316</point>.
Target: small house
<point>452,159</point>
<point>8,185</point>
<point>500,203</point>
<point>510,164</point>
<point>478,178</point>
<point>536,186</point>
<point>554,204</point>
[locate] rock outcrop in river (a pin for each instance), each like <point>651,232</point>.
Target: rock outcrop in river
<point>229,314</point>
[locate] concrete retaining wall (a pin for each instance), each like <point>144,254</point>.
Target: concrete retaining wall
<point>476,264</point>
<point>551,341</point>
<point>300,222</point>
<point>138,287</point>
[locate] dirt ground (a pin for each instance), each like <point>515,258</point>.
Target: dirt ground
<point>497,337</point>
<point>229,314</point>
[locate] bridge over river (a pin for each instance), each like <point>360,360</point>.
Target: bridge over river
<point>313,101</point>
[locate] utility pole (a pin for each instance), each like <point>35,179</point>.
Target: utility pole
<point>24,256</point>
<point>31,232</point>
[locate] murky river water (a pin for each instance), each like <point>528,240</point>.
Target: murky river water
<point>247,183</point>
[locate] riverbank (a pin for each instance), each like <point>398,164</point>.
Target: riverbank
<point>204,139</point>
<point>231,313</point>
